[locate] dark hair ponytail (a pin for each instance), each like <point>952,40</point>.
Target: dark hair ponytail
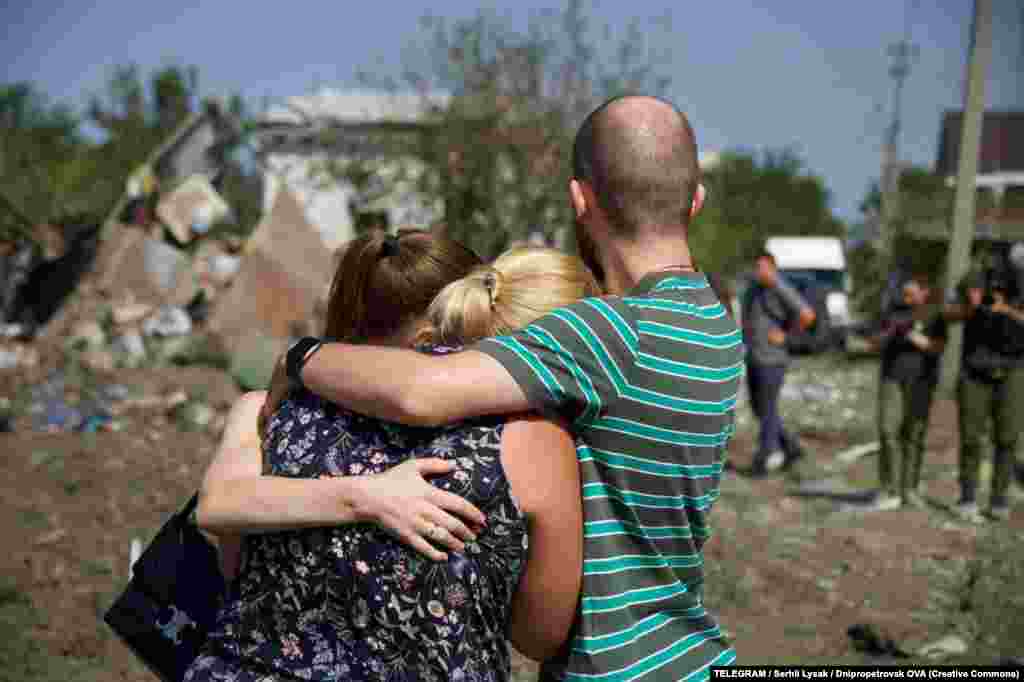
<point>384,281</point>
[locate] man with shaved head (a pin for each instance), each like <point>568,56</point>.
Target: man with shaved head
<point>646,378</point>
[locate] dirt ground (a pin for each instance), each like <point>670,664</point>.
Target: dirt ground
<point>810,569</point>
<point>787,575</point>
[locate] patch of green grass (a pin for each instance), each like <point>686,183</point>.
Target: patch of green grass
<point>10,594</point>
<point>89,442</point>
<point>991,594</point>
<point>40,458</point>
<point>106,321</point>
<point>725,582</point>
<point>33,518</point>
<point>136,487</point>
<point>53,464</point>
<point>800,630</point>
<point>96,568</point>
<point>206,352</point>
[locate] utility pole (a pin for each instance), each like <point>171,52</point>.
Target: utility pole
<point>901,54</point>
<point>967,172</point>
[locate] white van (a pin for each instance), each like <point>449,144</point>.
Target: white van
<point>817,265</point>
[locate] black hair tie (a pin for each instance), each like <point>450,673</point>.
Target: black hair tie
<point>389,247</point>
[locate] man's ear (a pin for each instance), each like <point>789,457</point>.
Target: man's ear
<point>698,200</point>
<point>579,199</point>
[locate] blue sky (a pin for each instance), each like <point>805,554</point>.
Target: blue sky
<point>808,74</point>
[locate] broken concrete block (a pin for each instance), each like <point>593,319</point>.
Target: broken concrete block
<point>164,264</point>
<point>169,320</point>
<point>89,332</point>
<point>18,356</point>
<point>264,298</point>
<point>98,360</point>
<point>131,345</point>
<point>130,313</point>
<point>285,236</point>
<point>177,398</point>
<point>193,204</point>
<point>135,266</point>
<point>223,267</point>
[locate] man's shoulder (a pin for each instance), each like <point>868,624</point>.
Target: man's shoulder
<point>601,315</point>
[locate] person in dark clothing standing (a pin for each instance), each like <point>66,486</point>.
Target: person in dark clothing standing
<point>991,386</point>
<point>771,308</point>
<point>912,340</point>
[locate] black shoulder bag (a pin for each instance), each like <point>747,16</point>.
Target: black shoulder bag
<point>171,602</point>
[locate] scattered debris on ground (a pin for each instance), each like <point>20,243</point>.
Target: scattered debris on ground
<point>799,569</point>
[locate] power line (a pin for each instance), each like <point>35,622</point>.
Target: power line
<point>902,53</point>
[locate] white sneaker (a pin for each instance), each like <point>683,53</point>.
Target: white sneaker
<point>885,502</point>
<point>775,461</point>
<point>1000,512</point>
<point>968,511</point>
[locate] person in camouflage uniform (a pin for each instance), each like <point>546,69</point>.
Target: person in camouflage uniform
<point>991,386</point>
<point>912,339</point>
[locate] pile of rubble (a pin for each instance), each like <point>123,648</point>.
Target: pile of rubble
<point>159,281</point>
<point>162,289</point>
<point>132,334</point>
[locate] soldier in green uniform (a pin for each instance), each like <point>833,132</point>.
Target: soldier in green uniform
<point>991,386</point>
<point>912,339</point>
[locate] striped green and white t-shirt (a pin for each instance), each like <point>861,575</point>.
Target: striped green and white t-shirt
<point>649,383</point>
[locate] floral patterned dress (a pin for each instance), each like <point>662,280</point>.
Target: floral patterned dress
<point>352,603</point>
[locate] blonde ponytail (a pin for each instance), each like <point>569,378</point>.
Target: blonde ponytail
<point>464,309</point>
<point>521,285</point>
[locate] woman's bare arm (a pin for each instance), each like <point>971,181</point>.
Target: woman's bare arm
<point>237,454</point>
<point>236,498</point>
<point>539,458</point>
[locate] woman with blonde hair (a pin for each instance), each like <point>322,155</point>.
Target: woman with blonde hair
<point>521,285</point>
<point>319,600</point>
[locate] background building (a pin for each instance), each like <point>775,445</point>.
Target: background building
<point>309,141</point>
<point>1000,180</point>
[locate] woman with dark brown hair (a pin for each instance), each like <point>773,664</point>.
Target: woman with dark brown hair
<point>352,602</point>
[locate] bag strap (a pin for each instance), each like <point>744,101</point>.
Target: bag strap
<point>761,295</point>
<point>189,507</point>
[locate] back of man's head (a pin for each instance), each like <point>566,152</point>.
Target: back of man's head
<point>639,155</point>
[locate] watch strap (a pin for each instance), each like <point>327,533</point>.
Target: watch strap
<point>298,355</point>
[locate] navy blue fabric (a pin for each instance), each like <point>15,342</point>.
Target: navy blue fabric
<point>353,603</point>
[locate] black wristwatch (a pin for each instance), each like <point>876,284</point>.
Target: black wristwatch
<point>297,357</point>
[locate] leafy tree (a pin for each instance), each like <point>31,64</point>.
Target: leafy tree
<point>49,169</point>
<point>134,116</point>
<point>755,196</point>
<point>43,159</point>
<point>138,114</point>
<point>498,150</point>
<point>918,247</point>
